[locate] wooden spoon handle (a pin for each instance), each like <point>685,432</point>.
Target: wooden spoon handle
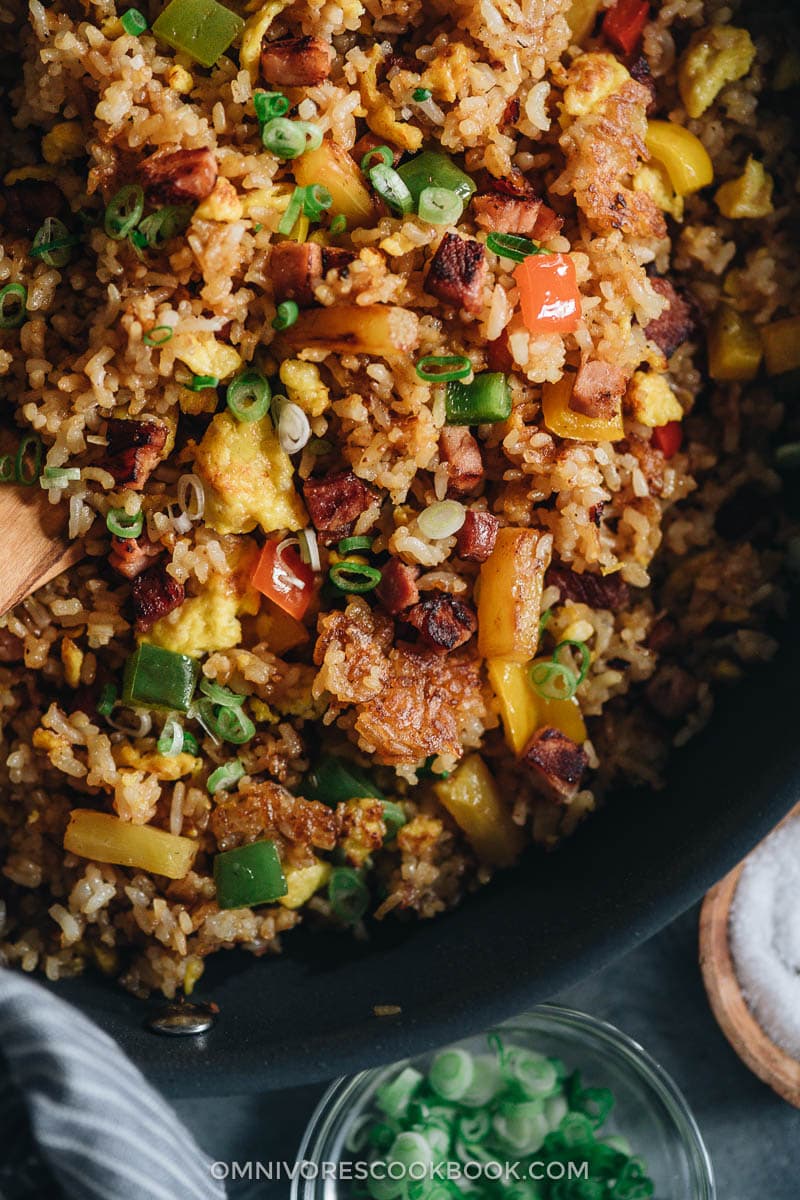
<point>33,545</point>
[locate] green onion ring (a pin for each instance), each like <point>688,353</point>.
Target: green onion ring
<point>348,894</point>
<point>12,296</point>
<point>124,211</point>
<point>123,524</point>
<point>225,776</point>
<point>248,396</point>
<point>52,243</point>
<point>160,227</point>
<point>313,134</point>
<point>8,469</point>
<point>233,725</point>
<point>421,94</point>
<point>286,314</point>
<point>150,338</point>
<point>199,383</point>
<point>133,22</point>
<point>553,681</point>
<point>293,211</point>
<point>390,187</point>
<point>220,695</point>
<point>283,138</point>
<point>511,245</point>
<point>453,366</point>
<point>30,439</point>
<point>349,544</point>
<point>269,105</point>
<point>316,200</point>
<point>385,155</point>
<point>584,652</point>
<point>440,206</point>
<point>338,224</point>
<point>354,577</point>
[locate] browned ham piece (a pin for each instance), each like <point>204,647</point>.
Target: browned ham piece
<point>476,538</point>
<point>460,450</point>
<point>296,61</point>
<point>457,272</point>
<point>335,502</point>
<point>557,763</point>
<point>296,269</point>
<point>598,390</point>
<point>134,450</point>
<point>180,176</point>
<point>444,622</point>
<point>598,591</point>
<point>131,556</point>
<point>676,323</point>
<point>398,587</point>
<point>155,593</point>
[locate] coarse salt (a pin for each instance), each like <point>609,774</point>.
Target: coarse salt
<point>765,935</point>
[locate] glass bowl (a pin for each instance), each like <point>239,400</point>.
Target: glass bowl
<point>649,1110</point>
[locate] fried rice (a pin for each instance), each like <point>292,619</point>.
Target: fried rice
<point>631,471</point>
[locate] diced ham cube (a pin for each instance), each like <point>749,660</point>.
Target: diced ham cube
<point>398,587</point>
<point>457,272</point>
<point>476,538</point>
<point>460,450</point>
<point>155,593</point>
<point>557,763</point>
<point>180,176</point>
<point>336,501</point>
<point>444,622</point>
<point>134,450</point>
<point>296,61</point>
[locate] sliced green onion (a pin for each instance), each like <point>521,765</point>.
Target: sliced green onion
<point>350,545</point>
<point>390,187</point>
<point>441,519</point>
<point>59,476</point>
<point>432,169</point>
<point>354,577</point>
<point>312,132</point>
<point>108,698</point>
<point>203,29</point>
<point>338,224</point>
<point>451,1073</point>
<point>584,652</point>
<point>225,776</point>
<point>30,444</point>
<point>159,335</point>
<point>382,153</point>
<point>221,695</point>
<point>13,301</point>
<point>269,105</point>
<point>420,95</point>
<point>286,314</point>
<point>393,818</point>
<point>199,383</point>
<point>533,1073</point>
<point>8,469</point>
<point>334,781</point>
<point>294,429</point>
<point>248,396</point>
<point>249,875</point>
<point>124,211</point>
<point>485,399</point>
<point>394,1097</point>
<point>316,200</point>
<point>441,368</point>
<point>52,243</point>
<point>544,620</point>
<point>511,245</point>
<point>348,895</point>
<point>293,211</point>
<point>133,22</point>
<point>486,1082</point>
<point>172,738</point>
<point>410,1148</point>
<point>160,227</point>
<point>124,524</point>
<point>232,725</point>
<point>283,138</point>
<point>553,681</point>
<point>440,206</point>
<point>309,549</point>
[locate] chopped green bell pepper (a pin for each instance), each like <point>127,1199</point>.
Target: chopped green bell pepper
<point>160,679</point>
<point>203,29</point>
<point>249,875</point>
<point>485,399</point>
<point>431,169</point>
<point>333,781</point>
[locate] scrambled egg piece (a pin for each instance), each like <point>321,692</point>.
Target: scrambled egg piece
<point>593,78</point>
<point>163,766</point>
<point>72,658</point>
<point>304,386</point>
<point>715,56</point>
<point>446,75</point>
<point>204,355</point>
<point>363,828</point>
<point>223,204</point>
<point>19,174</point>
<point>748,196</point>
<point>248,477</point>
<point>303,882</point>
<point>180,80</point>
<point>210,620</point>
<point>253,34</point>
<point>651,399</point>
<point>653,179</point>
<point>296,699</point>
<point>379,112</point>
<point>64,141</point>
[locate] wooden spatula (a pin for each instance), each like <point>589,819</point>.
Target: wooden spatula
<point>33,543</point>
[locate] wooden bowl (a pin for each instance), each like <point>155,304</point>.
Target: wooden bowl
<point>756,1050</point>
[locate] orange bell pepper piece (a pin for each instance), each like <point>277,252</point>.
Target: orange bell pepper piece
<point>284,579</point>
<point>548,293</point>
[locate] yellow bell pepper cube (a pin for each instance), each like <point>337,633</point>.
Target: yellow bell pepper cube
<point>510,600</point>
<point>748,196</point>
<point>716,55</point>
<point>471,797</point>
<point>734,346</point>
<point>682,154</point>
<point>303,882</point>
<point>564,422</point>
<point>581,16</point>
<point>522,711</point>
<point>104,838</point>
<point>781,340</point>
<point>333,167</point>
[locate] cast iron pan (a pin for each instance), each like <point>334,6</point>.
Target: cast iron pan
<point>558,917</point>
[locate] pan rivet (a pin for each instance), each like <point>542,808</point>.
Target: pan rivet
<point>183,1019</point>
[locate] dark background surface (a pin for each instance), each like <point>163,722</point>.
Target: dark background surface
<point>655,995</point>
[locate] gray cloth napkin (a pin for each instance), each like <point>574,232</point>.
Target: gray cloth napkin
<point>77,1118</point>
